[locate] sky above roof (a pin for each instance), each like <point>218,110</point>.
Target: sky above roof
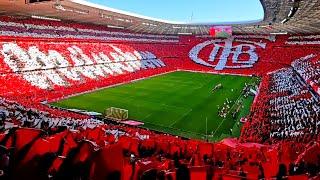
<point>191,11</point>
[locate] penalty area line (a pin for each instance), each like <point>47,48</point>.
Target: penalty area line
<point>186,113</point>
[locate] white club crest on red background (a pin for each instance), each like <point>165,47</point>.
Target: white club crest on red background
<point>229,52</point>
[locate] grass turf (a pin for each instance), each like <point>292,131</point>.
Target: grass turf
<point>178,103</point>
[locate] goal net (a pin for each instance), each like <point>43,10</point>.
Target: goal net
<point>116,114</point>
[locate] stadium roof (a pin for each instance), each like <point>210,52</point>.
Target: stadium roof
<point>191,11</point>
<point>280,16</point>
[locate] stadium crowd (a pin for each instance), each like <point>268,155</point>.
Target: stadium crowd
<point>39,142</point>
<point>287,110</point>
<point>308,69</point>
<point>113,151</point>
<point>28,27</point>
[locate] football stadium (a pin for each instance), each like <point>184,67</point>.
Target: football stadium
<point>166,90</point>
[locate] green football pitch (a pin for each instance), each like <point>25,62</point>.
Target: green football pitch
<point>180,103</point>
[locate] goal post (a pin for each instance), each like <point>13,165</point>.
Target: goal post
<point>117,114</point>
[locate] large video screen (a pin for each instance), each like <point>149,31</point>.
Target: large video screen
<point>221,31</point>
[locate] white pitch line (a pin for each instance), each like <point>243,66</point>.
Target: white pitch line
<point>218,127</point>
<point>180,118</point>
<point>147,116</point>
